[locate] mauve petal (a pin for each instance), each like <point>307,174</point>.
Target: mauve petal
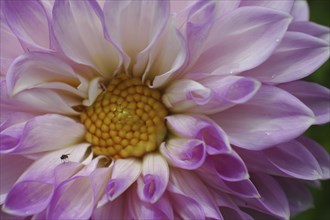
<point>299,196</point>
<point>310,28</point>
<point>297,56</point>
<point>273,200</point>
<point>319,153</point>
<point>228,51</point>
<point>303,164</point>
<point>300,11</point>
<point>199,127</point>
<point>284,6</point>
<point>187,154</point>
<point>140,209</point>
<point>126,32</point>
<point>186,207</point>
<point>6,216</point>
<point>210,95</point>
<point>315,96</point>
<point>178,6</point>
<point>29,22</point>
<point>11,167</point>
<point>28,198</point>
<point>44,133</point>
<point>154,178</point>
<point>272,116</point>
<point>73,199</point>
<point>125,172</point>
<point>190,185</point>
<point>111,210</point>
<point>78,27</point>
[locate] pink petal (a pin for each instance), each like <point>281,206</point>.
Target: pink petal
<point>184,153</point>
<point>111,210</point>
<point>315,96</point>
<point>297,56</point>
<point>311,28</point>
<point>186,207</point>
<point>78,28</point>
<point>227,51</point>
<point>126,32</point>
<point>43,133</point>
<point>12,166</point>
<point>272,116</point>
<point>284,6</point>
<point>319,153</point>
<point>29,22</point>
<point>28,197</point>
<point>198,127</point>
<point>154,179</point>
<point>189,185</point>
<point>125,172</point>
<point>273,200</point>
<point>300,11</point>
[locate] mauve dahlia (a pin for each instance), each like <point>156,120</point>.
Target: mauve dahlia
<point>160,110</point>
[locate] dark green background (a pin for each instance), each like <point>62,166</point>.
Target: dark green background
<point>320,13</point>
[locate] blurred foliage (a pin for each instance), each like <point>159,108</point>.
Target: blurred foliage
<point>319,13</point>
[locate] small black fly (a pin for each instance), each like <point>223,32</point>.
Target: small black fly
<point>65,157</point>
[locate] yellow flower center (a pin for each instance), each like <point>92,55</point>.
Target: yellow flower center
<point>126,120</point>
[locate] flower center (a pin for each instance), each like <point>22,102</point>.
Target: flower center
<point>126,120</point>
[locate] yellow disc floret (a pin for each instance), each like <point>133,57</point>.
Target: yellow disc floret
<point>126,120</point>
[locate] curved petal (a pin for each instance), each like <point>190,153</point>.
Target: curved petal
<point>229,51</point>
<point>297,56</point>
<point>154,179</point>
<point>187,154</point>
<point>11,167</point>
<point>272,116</point>
<point>112,210</point>
<point>29,22</point>
<point>44,133</point>
<point>28,198</point>
<point>125,172</point>
<point>78,28</point>
<point>198,127</point>
<point>319,153</point>
<point>300,10</point>
<point>284,6</point>
<point>273,200</point>
<point>126,32</point>
<point>315,96</point>
<point>312,29</point>
<point>299,196</point>
<point>186,207</point>
<point>189,185</point>
<point>72,199</point>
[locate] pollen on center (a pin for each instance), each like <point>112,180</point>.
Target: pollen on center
<point>126,120</point>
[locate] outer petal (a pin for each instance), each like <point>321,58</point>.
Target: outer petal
<point>112,210</point>
<point>184,153</point>
<point>300,10</point>
<point>154,179</point>
<point>230,51</point>
<point>42,133</point>
<point>11,167</point>
<point>126,30</point>
<point>79,29</point>
<point>311,28</point>
<point>297,56</point>
<point>315,96</point>
<point>29,22</point>
<point>187,184</point>
<point>272,116</point>
<point>125,172</point>
<point>198,127</point>
<point>284,6</point>
<point>273,200</point>
<point>33,190</point>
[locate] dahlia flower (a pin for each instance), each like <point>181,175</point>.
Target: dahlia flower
<point>160,109</point>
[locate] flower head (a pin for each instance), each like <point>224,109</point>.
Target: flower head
<point>160,110</point>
